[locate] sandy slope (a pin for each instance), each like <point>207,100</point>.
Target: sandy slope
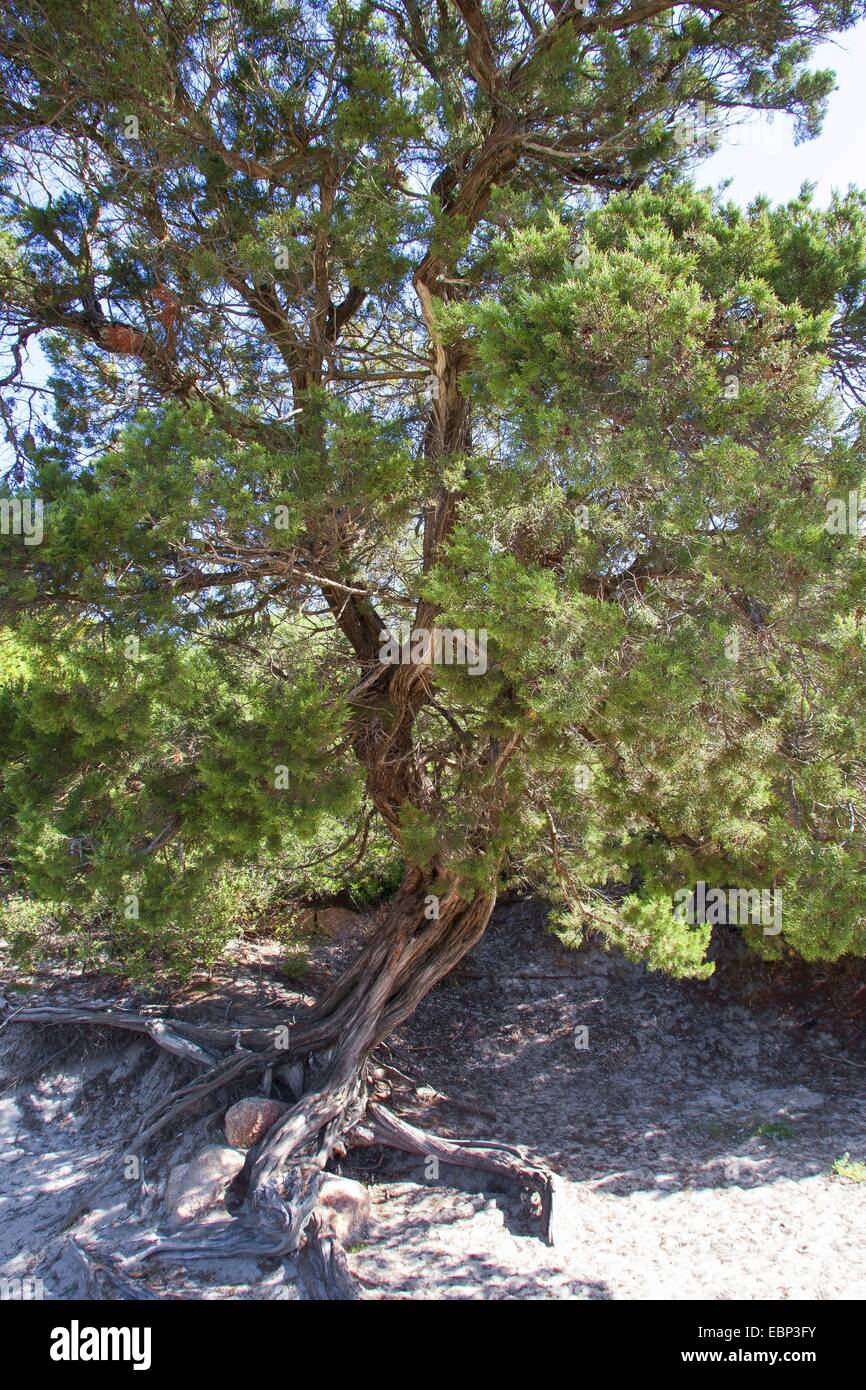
<point>695,1133</point>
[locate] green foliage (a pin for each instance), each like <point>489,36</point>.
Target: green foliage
<point>108,753</point>
<point>615,373</point>
<point>22,929</point>
<point>774,1129</point>
<point>266,226</point>
<point>849,1170</point>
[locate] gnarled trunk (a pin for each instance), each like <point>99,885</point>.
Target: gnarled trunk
<point>416,940</point>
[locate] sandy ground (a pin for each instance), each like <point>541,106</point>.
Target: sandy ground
<point>694,1125</point>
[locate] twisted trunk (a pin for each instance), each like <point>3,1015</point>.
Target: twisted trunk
<point>408,953</point>
<point>321,1061</point>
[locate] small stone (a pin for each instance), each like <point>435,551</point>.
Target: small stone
<point>292,1076</point>
<point>194,1188</point>
<point>249,1119</point>
<point>10,1121</point>
<point>343,1208</point>
<point>335,921</point>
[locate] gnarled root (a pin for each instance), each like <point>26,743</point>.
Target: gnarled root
<point>382,1126</point>
<point>327,1054</point>
<point>323,1265</point>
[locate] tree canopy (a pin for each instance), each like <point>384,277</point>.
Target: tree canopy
<point>367,320</point>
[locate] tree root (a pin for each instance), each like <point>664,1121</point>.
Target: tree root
<point>219,1076</point>
<point>324,1267</point>
<point>103,1278</point>
<point>382,1126</point>
<point>327,1052</point>
<point>176,1037</point>
<point>280,1219</point>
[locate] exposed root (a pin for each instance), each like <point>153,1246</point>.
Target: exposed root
<point>170,1036</point>
<point>322,1059</point>
<point>236,1239</point>
<point>104,1279</point>
<point>381,1126</point>
<point>175,1035</point>
<point>219,1076</point>
<point>324,1267</point>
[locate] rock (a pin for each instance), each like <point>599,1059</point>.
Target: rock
<point>343,1208</point>
<point>248,1119</point>
<point>292,1076</point>
<point>195,1187</point>
<point>335,921</point>
<point>10,1121</point>
<point>329,921</point>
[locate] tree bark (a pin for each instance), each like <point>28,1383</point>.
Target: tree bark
<point>408,953</point>
<point>417,939</point>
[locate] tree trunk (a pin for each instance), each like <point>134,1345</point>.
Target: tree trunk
<point>408,953</point>
<point>416,940</point>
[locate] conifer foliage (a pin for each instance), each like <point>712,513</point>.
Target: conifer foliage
<point>421,458</point>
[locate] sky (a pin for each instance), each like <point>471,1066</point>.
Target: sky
<point>762,158</point>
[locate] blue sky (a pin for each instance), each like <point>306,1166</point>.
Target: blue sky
<point>763,158</point>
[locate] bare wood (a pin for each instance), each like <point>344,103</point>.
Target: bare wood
<point>162,1033</point>
<point>384,1127</point>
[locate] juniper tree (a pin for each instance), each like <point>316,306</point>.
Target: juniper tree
<point>376,334</point>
